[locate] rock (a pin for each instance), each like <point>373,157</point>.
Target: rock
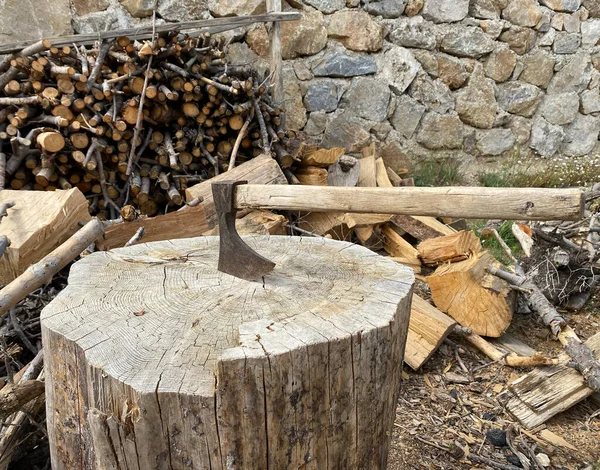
<point>452,71</point>
<point>593,7</point>
<point>538,68</point>
<point>562,5</point>
<point>495,141</point>
<point>19,22</point>
<point>413,32</point>
<point>434,94</point>
<point>518,98</point>
<point>561,108</point>
<point>543,25</point>
<point>321,96</point>
<point>380,130</point>
<point>514,460</point>
<point>327,6</point>
<point>413,7</point>
<point>428,61</point>
<point>443,11</point>
<point>340,64</point>
<point>523,12</point>
<point>356,30</point>
<point>386,8</point>
<point>185,10</point>
<point>521,128</point>
<point>302,71</point>
<point>484,9</point>
<point>258,40</point>
<point>566,43</point>
<point>138,8</point>
<point>581,136</point>
<point>110,19</point>
<point>368,98</point>
<point>236,8</point>
<point>296,113</point>
<point>500,64</point>
<point>519,39</point>
<point>590,33</point>
<point>574,76</point>
<point>543,459</point>
<point>547,39</point>
<point>306,36</point>
<point>398,68</point>
<point>590,101</point>
<point>317,122</point>
<point>546,138</point>
<point>439,132</point>
<point>83,7</point>
<point>476,103</point>
<point>345,130</point>
<point>467,42</point>
<point>493,28</point>
<point>572,23</point>
<point>496,437</point>
<point>407,115</point>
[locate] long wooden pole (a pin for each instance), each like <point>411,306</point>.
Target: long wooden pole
<point>467,202</point>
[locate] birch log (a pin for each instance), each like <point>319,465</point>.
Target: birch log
<point>157,360</point>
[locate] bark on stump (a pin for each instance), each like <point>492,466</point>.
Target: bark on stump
<point>156,360</point>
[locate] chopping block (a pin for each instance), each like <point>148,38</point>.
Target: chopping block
<point>156,360</point>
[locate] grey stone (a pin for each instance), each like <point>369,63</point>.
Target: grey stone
<point>593,7</point>
<point>500,64</point>
<point>493,28</point>
<point>296,112</point>
<point>340,64</point>
<point>307,36</point>
<point>317,122</point>
<point>562,5</point>
<point>523,12</point>
<point>574,76</point>
<point>83,7</point>
<point>590,33</point>
<point>183,10</point>
<point>327,6</point>
<point>321,96</point>
<point>110,19</point>
<point>590,101</point>
<point>452,71</point>
<point>407,116</point>
<point>381,130</point>
<point>34,20</point>
<point>394,156</point>
<point>443,11</point>
<point>257,39</point>
<point>386,8</point>
<point>428,60</point>
<point>368,98</point>
<point>566,43</point>
<point>572,23</point>
<point>546,138</point>
<point>581,136</point>
<point>484,9</point>
<point>398,68</point>
<point>434,94</point>
<point>236,8</point>
<point>413,32</point>
<point>518,98</point>
<point>538,68</point>
<point>302,70</point>
<point>521,128</point>
<point>356,30</point>
<point>438,132</point>
<point>561,108</point>
<point>547,39</point>
<point>467,42</point>
<point>476,103</point>
<point>345,130</point>
<point>495,141</point>
<point>519,39</point>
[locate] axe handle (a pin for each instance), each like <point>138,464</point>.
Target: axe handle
<point>459,202</point>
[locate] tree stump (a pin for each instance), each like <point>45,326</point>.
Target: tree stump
<point>155,360</point>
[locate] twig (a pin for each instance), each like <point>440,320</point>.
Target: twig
<point>504,246</point>
<point>263,127</point>
<point>136,237</point>
<point>4,207</point>
<point>4,244</point>
<point>14,320</point>
<point>500,359</point>
<point>7,360</point>
<point>239,139</point>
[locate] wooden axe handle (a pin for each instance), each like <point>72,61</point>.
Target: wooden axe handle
<point>459,201</point>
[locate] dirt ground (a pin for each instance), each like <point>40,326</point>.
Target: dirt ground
<point>434,414</point>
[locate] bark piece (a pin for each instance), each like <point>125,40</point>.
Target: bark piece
<point>450,248</point>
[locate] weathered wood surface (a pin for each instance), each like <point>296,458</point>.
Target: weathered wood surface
<point>422,228</point>
<point>546,391</point>
<point>36,225</point>
<point>468,202</point>
<point>156,360</point>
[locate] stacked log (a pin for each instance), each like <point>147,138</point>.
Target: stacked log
<point>130,122</point>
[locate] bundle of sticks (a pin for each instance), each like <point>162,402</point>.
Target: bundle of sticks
<point>132,123</point>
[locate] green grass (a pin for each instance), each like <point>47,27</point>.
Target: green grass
<point>445,172</point>
<point>492,245</point>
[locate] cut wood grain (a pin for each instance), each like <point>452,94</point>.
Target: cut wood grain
<point>325,224</point>
<point>259,222</point>
<point>322,157</point>
<point>312,175</point>
<point>398,247</point>
<point>383,181</point>
<point>152,338</point>
<point>450,248</point>
<point>36,225</point>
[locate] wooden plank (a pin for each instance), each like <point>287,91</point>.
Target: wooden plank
<point>427,330</point>
<point>145,32</point>
<point>470,202</point>
<point>546,391</point>
<point>38,223</point>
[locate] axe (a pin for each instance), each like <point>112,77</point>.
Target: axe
<point>239,260</point>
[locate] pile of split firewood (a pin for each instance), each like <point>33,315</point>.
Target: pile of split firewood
<point>130,122</point>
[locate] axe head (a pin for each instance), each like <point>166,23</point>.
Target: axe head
<point>235,257</point>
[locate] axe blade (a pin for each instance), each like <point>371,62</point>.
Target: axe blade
<point>235,257</point>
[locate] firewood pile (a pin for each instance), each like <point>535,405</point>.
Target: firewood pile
<point>131,122</point>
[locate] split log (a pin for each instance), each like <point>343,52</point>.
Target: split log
<point>322,157</point>
<point>345,172</point>
<point>312,175</point>
<point>241,369</point>
<point>383,181</point>
<point>421,227</point>
<point>450,248</point>
<point>474,298</point>
<point>38,223</point>
<point>400,249</point>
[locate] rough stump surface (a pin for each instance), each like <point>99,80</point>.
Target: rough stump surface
<point>156,360</point>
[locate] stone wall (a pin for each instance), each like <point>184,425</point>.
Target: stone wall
<point>428,78</point>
